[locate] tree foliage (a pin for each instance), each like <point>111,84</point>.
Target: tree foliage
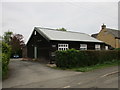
<point>62,29</point>
<point>17,43</point>
<point>7,36</point>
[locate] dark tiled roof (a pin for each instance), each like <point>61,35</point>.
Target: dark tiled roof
<point>94,35</point>
<point>114,32</point>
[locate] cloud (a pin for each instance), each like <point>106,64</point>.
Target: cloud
<point>22,17</point>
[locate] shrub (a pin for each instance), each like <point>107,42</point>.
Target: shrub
<point>5,58</point>
<point>117,48</point>
<point>6,49</point>
<point>0,60</point>
<point>75,58</point>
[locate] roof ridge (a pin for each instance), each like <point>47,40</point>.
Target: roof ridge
<point>45,28</point>
<point>60,31</point>
<point>112,29</point>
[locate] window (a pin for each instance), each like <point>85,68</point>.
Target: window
<point>35,33</point>
<point>62,47</point>
<point>83,46</point>
<point>106,47</point>
<point>97,46</point>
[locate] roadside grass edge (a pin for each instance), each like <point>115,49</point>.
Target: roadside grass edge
<point>90,68</point>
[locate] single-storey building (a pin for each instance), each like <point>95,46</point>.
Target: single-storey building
<point>45,41</point>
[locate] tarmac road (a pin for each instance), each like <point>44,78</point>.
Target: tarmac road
<point>27,74</point>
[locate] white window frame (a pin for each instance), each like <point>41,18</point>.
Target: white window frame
<point>106,47</point>
<point>83,46</point>
<point>97,47</point>
<point>62,47</point>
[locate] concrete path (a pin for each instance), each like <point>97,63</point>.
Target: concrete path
<point>26,74</point>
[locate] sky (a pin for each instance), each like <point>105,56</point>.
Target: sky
<point>86,17</point>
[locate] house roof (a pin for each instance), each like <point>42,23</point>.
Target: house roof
<point>53,34</point>
<point>94,35</point>
<point>115,33</point>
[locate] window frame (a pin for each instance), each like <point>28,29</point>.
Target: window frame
<point>106,48</point>
<point>63,47</point>
<point>97,47</point>
<point>83,46</point>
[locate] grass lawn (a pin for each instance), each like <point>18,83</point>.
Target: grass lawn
<point>90,68</point>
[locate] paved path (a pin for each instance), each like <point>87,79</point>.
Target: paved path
<point>26,74</point>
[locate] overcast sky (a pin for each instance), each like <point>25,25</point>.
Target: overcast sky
<point>86,17</point>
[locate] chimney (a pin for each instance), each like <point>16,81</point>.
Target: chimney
<point>103,26</point>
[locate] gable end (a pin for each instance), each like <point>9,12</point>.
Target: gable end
<point>42,34</point>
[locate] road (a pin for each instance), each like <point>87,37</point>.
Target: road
<point>27,74</point>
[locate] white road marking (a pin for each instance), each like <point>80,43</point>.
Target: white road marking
<point>109,74</point>
<point>66,87</point>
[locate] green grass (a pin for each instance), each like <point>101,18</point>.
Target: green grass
<point>90,68</point>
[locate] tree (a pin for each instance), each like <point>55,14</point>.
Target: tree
<point>7,37</point>
<point>17,43</point>
<point>62,29</point>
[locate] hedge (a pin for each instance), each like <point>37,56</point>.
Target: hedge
<point>117,48</point>
<point>6,51</point>
<point>76,58</point>
<point>0,60</point>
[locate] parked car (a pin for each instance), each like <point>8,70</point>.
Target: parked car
<point>15,56</point>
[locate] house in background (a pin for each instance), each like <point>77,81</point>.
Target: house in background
<point>109,36</point>
<point>45,41</point>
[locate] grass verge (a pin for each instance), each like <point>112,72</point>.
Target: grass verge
<point>90,68</point>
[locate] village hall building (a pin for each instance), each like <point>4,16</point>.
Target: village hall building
<point>45,41</point>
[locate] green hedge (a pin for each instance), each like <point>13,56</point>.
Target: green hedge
<point>117,48</point>
<point>0,60</point>
<point>6,51</point>
<point>75,58</point>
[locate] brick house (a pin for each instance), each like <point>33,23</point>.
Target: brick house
<point>109,36</point>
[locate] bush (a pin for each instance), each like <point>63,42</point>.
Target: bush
<point>75,58</point>
<point>0,60</point>
<point>5,58</point>
<point>6,49</point>
<point>117,48</point>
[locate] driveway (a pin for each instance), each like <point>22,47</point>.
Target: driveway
<point>26,74</point>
